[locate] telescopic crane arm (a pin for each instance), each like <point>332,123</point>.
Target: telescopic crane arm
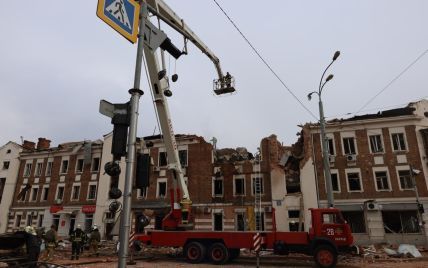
<point>224,83</point>
<point>180,216</point>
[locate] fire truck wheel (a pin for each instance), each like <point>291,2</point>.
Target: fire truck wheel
<point>325,256</point>
<point>194,252</point>
<point>218,253</point>
<point>234,253</point>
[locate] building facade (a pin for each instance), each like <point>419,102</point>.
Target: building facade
<point>379,170</point>
<point>9,165</point>
<point>56,185</point>
<point>223,185</point>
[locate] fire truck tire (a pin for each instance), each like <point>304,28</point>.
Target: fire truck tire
<point>234,253</point>
<point>218,253</point>
<point>194,252</point>
<point>325,256</point>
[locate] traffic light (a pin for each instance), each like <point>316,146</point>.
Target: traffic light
<point>142,175</point>
<point>120,123</point>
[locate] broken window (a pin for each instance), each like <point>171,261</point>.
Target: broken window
<point>405,179</point>
<point>330,146</point>
<point>382,180</point>
<point>292,184</point>
<point>60,193</point>
<point>49,169</point>
<point>45,193</point>
<point>349,145</point>
<point>161,189</point>
<point>76,192</point>
<point>182,155</point>
<point>6,164</point>
<point>96,164</point>
<point>240,221</point>
<point>376,143</point>
<point>335,182</point>
<point>79,167</point>
<point>163,160</point>
<point>92,192</point>
<point>39,167</point>
<point>293,213</point>
<point>294,226</point>
<point>34,193</point>
<point>355,220</point>
<point>64,166</point>
<point>354,181</point>
<point>218,187</point>
<point>2,185</point>
<point>400,221</point>
<point>218,221</point>
<point>27,170</point>
<point>398,142</point>
<point>239,186</point>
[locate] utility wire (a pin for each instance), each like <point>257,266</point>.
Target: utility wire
<point>263,60</point>
<point>392,81</point>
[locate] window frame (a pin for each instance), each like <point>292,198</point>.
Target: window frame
<point>404,169</point>
<point>346,146</point>
<point>27,170</point>
<point>34,190</point>
<point>158,182</point>
<point>73,192</point>
<point>243,186</point>
<point>335,172</point>
<point>400,149</point>
<point>354,171</point>
<point>95,165</point>
<point>6,165</point>
<point>49,166</point>
<point>80,165</point>
<point>253,179</point>
<point>88,196</point>
<point>160,159</point>
<point>214,180</point>
<point>59,186</point>
<point>388,179</point>
<point>374,141</point>
<point>39,169</point>
<point>66,166</point>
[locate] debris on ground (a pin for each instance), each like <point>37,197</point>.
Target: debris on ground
<point>409,250</point>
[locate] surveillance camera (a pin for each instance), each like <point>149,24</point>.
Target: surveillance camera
<point>416,171</point>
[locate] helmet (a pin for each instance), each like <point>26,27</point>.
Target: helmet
<point>95,227</point>
<point>78,226</point>
<point>30,230</point>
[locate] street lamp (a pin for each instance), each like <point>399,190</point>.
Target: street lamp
<point>325,153</point>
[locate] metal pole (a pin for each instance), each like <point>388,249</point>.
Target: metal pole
<point>420,216</point>
<point>325,153</point>
<point>132,136</point>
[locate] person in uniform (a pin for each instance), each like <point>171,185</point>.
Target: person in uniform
<point>94,240</point>
<point>51,238</point>
<point>76,238</point>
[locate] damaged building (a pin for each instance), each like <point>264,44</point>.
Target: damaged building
<point>378,166</point>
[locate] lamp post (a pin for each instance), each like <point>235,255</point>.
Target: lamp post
<point>325,153</point>
<point>420,206</point>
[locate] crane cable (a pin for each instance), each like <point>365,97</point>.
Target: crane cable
<point>264,61</point>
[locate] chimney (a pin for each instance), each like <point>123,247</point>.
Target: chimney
<point>43,144</point>
<point>28,145</point>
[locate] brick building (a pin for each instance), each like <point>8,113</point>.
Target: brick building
<point>56,185</point>
<point>371,157</point>
<point>221,184</point>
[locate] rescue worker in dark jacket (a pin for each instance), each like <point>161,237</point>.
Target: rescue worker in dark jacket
<point>76,238</point>
<point>32,243</point>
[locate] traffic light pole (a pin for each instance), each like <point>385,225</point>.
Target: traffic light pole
<point>136,93</point>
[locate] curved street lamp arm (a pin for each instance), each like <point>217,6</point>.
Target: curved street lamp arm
<point>320,87</point>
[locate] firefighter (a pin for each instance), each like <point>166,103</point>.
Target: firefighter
<point>76,238</point>
<point>94,240</point>
<point>33,245</point>
<point>51,238</point>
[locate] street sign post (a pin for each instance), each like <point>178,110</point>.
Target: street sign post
<point>121,15</point>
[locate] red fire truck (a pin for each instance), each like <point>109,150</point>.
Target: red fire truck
<point>328,236</point>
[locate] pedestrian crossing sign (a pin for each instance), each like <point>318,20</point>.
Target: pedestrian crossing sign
<point>121,15</point>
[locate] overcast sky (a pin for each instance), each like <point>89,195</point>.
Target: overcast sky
<point>58,60</point>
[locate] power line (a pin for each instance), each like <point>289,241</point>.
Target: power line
<point>264,61</point>
<point>393,80</point>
